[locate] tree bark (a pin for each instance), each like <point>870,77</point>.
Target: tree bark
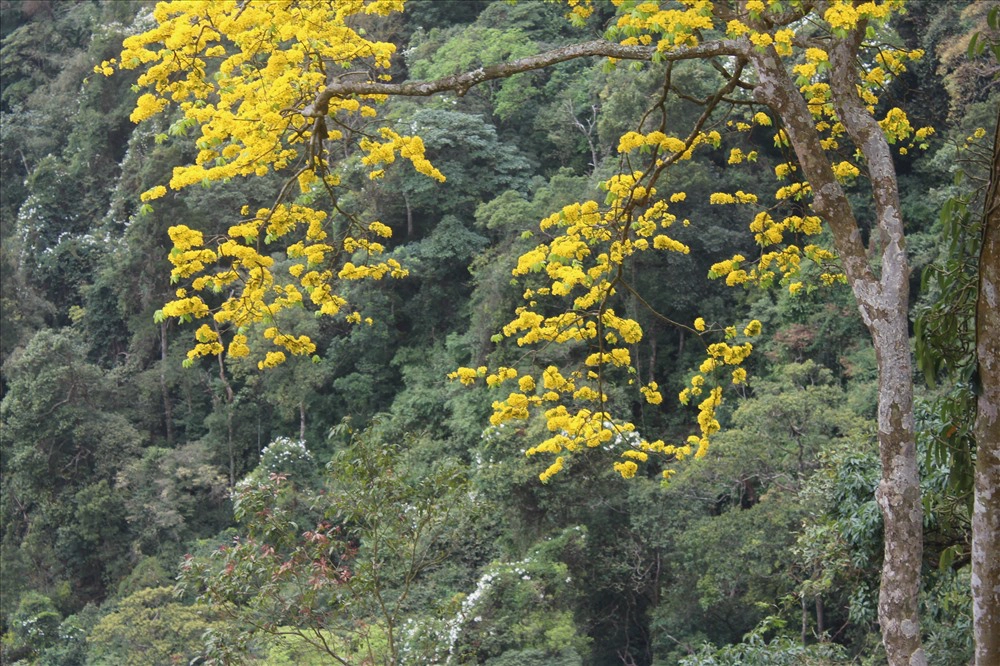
<point>461,83</point>
<point>986,507</point>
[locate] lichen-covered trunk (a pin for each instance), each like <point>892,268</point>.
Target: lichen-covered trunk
<point>986,508</point>
<point>898,494</point>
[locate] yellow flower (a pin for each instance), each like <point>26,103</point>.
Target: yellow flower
<point>552,470</point>
<point>627,469</point>
<point>153,193</point>
<point>273,359</point>
<point>651,393</point>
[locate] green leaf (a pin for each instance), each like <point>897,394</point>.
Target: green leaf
<point>973,44</point>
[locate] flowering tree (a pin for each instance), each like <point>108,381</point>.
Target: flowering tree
<point>287,87</point>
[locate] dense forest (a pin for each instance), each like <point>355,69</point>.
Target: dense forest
<point>366,498</point>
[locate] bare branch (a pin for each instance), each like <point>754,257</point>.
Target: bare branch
<point>461,83</point>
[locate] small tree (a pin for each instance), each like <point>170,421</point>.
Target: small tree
<point>332,566</point>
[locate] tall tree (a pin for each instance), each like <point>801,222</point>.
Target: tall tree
<point>986,507</point>
<point>259,79</point>
<point>958,334</point>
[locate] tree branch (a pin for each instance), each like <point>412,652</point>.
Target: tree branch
<point>461,83</point>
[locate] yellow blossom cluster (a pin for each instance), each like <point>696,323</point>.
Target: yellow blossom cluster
<point>245,76</point>
<point>739,197</point>
<point>671,27</point>
<point>667,144</point>
<point>380,153</point>
<point>718,356</point>
<point>581,268</point>
<point>584,260</point>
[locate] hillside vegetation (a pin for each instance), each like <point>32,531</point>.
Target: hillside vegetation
<point>461,463</point>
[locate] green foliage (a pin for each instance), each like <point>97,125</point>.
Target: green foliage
<point>151,627</point>
<point>172,497</point>
<point>370,534</point>
<point>756,650</point>
<point>945,336</point>
<point>64,445</point>
<point>34,627</point>
<point>467,150</point>
<point>149,572</point>
<point>948,613</point>
<point>290,648</point>
<point>521,610</point>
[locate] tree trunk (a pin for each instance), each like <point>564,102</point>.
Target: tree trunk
<point>409,216</point>
<point>898,496</point>
<point>805,620</point>
<point>168,407</point>
<point>820,619</point>
<point>883,301</point>
<point>986,508</point>
<point>302,420</point>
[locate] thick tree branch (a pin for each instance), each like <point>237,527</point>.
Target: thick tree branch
<point>867,136</point>
<point>461,83</point>
<point>777,90</point>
